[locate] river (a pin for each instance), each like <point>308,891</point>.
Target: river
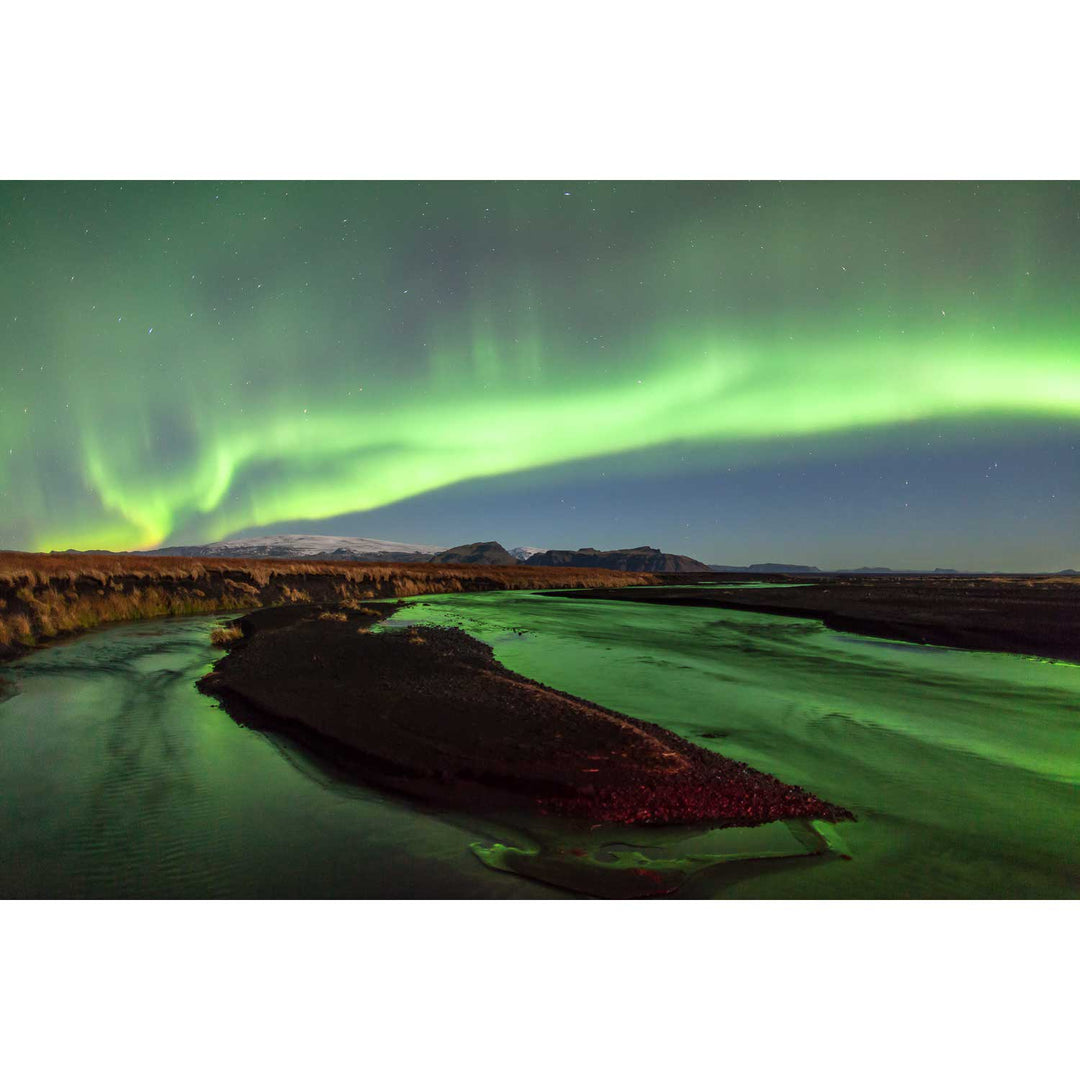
<point>118,779</point>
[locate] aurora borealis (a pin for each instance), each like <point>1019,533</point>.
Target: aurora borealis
<point>836,373</point>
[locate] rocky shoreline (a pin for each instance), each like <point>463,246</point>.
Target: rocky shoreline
<point>430,712</point>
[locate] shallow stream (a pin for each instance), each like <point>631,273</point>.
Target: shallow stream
<point>117,778</point>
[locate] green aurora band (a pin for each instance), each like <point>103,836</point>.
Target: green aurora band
<point>182,362</point>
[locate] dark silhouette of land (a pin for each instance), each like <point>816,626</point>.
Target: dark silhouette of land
<point>640,559</point>
<point>484,553</point>
<point>1037,616</point>
<point>430,712</point>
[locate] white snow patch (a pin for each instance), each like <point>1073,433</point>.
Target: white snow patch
<point>524,552</point>
<point>312,545</point>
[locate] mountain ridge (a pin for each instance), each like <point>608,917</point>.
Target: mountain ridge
<point>369,549</point>
<point>640,559</point>
<point>484,552</point>
<point>300,545</point>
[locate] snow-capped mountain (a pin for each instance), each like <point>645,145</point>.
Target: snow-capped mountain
<point>304,546</point>
<point>295,546</point>
<point>523,553</point>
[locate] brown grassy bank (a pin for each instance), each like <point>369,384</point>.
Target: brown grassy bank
<point>47,596</point>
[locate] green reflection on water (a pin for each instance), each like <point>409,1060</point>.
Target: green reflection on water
<point>117,778</point>
<point>961,766</point>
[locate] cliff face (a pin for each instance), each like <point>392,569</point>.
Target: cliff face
<point>640,559</point>
<point>485,553</point>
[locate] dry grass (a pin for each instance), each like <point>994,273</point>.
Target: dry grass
<point>223,636</point>
<point>335,616</point>
<point>355,605</point>
<point>27,568</point>
<point>45,596</point>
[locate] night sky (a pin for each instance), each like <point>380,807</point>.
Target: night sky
<point>832,373</point>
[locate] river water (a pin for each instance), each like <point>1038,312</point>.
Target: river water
<point>117,778</point>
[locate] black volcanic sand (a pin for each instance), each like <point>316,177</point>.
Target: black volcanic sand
<point>430,712</point>
<point>1033,616</point>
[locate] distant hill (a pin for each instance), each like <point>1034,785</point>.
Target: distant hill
<point>491,553</point>
<point>768,568</point>
<point>523,553</point>
<point>487,553</point>
<point>302,546</point>
<point>484,553</point>
<point>640,559</point>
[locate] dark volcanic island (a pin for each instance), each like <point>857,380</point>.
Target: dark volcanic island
<point>429,711</point>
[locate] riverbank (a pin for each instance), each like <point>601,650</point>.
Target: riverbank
<point>1035,616</point>
<point>43,597</point>
<point>429,711</point>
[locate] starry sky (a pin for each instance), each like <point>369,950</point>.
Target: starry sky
<point>834,373</point>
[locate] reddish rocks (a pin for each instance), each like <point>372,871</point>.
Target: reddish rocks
<point>436,715</point>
